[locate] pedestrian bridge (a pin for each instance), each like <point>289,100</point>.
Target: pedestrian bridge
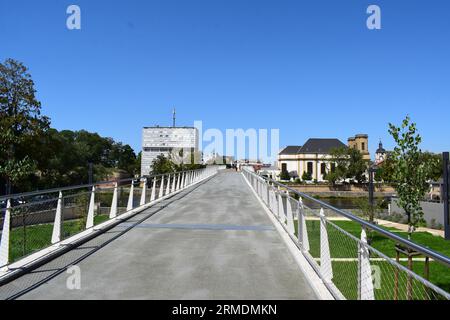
<point>207,234</point>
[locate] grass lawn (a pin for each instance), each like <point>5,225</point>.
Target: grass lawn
<point>345,272</point>
<point>29,239</point>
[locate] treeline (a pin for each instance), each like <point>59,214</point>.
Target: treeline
<point>35,156</point>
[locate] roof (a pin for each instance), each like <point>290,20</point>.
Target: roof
<point>314,145</point>
<point>380,148</point>
<point>321,145</point>
<point>290,150</point>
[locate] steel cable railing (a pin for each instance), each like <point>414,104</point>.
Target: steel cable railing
<point>349,267</point>
<point>39,220</point>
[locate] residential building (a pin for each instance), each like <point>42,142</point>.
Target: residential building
<point>163,140</point>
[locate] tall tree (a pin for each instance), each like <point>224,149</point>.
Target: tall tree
<point>411,171</point>
<point>350,164</point>
<point>162,164</point>
<point>21,122</point>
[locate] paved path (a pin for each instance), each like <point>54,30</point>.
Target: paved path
<point>213,242</point>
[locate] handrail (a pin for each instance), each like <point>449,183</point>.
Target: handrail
<point>80,186</point>
<point>425,251</point>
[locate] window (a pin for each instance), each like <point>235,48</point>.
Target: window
<point>310,167</point>
<point>363,146</point>
<point>333,167</point>
<point>323,168</point>
<point>283,167</point>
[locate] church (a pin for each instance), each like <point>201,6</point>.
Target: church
<point>314,156</point>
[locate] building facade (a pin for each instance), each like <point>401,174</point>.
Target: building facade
<point>314,156</point>
<point>165,140</point>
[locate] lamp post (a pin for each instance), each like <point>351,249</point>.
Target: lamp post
<point>372,171</point>
<point>445,194</point>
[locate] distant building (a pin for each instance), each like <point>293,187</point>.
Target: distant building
<point>314,156</point>
<point>163,140</point>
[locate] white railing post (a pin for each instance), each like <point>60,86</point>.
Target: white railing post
<point>168,185</point>
<point>130,197</point>
<point>113,211</point>
<point>325,259</point>
<point>365,281</point>
<point>4,245</point>
<point>161,188</point>
<point>178,181</point>
<point>153,194</point>
<point>289,217</point>
<point>183,177</point>
<point>56,234</point>
<point>143,193</point>
<point>266,193</point>
<point>302,229</point>
<point>90,216</point>
<point>280,212</point>
<point>174,183</point>
<point>272,201</point>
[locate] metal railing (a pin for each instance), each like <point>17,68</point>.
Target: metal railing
<point>353,257</point>
<point>34,221</point>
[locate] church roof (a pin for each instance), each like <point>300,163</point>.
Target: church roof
<point>380,148</point>
<point>315,145</point>
<point>289,150</point>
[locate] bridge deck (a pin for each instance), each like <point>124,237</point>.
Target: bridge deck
<point>212,241</point>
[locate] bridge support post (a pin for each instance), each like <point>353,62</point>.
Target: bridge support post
<point>302,230</point>
<point>56,234</point>
<point>153,194</point>
<point>325,259</point>
<point>113,211</point>
<point>4,244</point>
<point>365,282</point>
<point>130,197</point>
<point>143,193</point>
<point>90,215</point>
<point>289,217</point>
<point>161,188</point>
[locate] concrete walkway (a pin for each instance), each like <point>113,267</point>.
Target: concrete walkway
<point>213,241</point>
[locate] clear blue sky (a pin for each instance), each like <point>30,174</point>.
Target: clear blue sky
<point>309,68</point>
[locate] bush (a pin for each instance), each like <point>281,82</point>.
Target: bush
<point>284,175</point>
<point>306,176</point>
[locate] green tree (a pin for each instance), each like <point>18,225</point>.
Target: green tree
<point>350,164</point>
<point>21,122</point>
<point>357,166</point>
<point>385,171</point>
<point>162,165</point>
<point>411,171</point>
<point>339,157</point>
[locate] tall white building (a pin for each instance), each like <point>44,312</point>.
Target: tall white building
<point>163,140</point>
